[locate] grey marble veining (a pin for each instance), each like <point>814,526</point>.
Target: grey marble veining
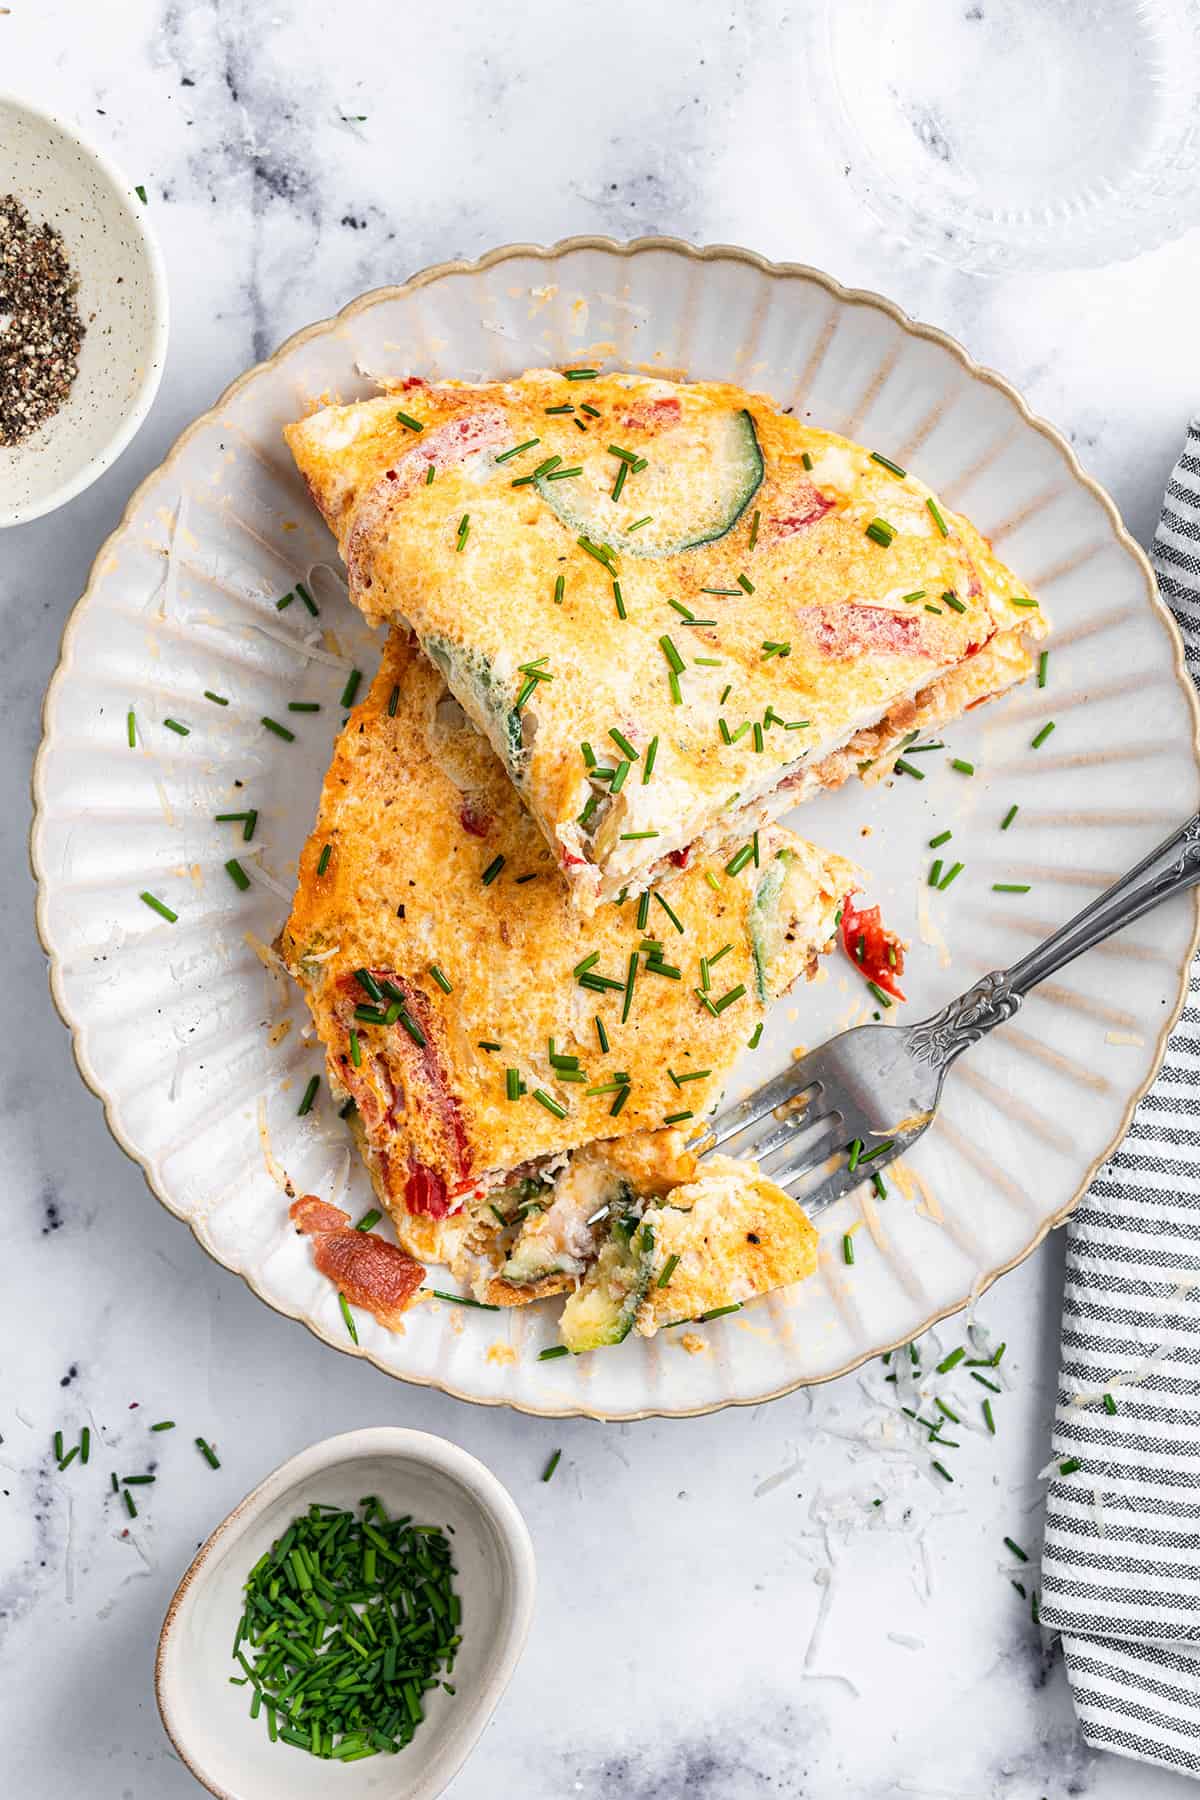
<point>684,1566</point>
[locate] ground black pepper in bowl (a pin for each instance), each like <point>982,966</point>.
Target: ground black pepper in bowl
<point>40,327</point>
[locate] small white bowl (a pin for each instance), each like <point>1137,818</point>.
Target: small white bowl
<point>208,1720</point>
<point>69,184</point>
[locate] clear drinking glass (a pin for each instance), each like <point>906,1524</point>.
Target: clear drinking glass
<point>1008,135</point>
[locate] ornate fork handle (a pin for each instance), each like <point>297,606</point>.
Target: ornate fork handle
<point>1172,867</point>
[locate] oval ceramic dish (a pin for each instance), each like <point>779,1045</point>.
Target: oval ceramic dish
<point>208,1720</point>
<point>198,1051</point>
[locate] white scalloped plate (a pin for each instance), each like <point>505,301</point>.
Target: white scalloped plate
<point>185,1036</point>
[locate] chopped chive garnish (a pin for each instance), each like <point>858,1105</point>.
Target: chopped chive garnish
<point>1042,735</point>
<point>131,729</point>
<point>462,1300</point>
<point>286,601</point>
<point>550,1103</point>
<point>638,523</point>
<point>550,1467</point>
<point>963,767</point>
<point>566,407</point>
<point>1010,887</point>
<point>984,1382</point>
<point>753,530</point>
<point>308,600</point>
<point>677,1118</point>
<point>936,515</point>
<point>745,583</point>
<point>847,1248</point>
<point>906,768</point>
<point>164,1425</point>
<point>1016,1550</point>
<point>310,1094</point>
<point>512,1083</point>
<point>669,1268</point>
<point>208,1453</point>
<point>729,998</point>
<point>355,1050</point>
<point>304,706</point>
<point>935,871</point>
<point>671,914</point>
<point>739,859</point>
<point>718,1312</point>
<point>943,1471</point>
<point>174,725</point>
<point>623,744</point>
<point>1069,1466</point>
<point>943,837</point>
<point>951,1362</point>
<point>884,999</point>
<point>1110,1405</point>
<point>348,1316</point>
<point>564,474</point>
<point>237,874</point>
<point>368,984</point>
<point>429,475</point>
<point>493,869</point>
<point>672,655</point>
<point>600,552</point>
<point>630,980</point>
<point>69,1458</point>
<point>409,423</point>
<point>1021,600</point>
<point>885,462</point>
<point>952,873</point>
<point>643,911</point>
<point>880,532</point>
<point>323,859</point>
<point>1043,665</point>
<point>648,765</point>
<point>554,1350</point>
<point>58,1446</point>
<point>217,699</point>
<point>130,1505</point>
<point>580,374</point>
<point>806,459</point>
<point>1008,818</point>
<point>447,987</point>
<point>464,530</point>
<point>618,777</point>
<point>157,906</point>
<point>251,822</point>
<point>952,600</point>
<point>351,687</point>
<point>619,481</point>
<point>282,731</point>
<point>506,455</point>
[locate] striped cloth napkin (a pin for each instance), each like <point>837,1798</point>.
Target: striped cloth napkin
<point>1121,1564</point>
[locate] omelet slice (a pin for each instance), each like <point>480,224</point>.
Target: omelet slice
<point>720,1239</point>
<point>485,1030</point>
<point>674,610</point>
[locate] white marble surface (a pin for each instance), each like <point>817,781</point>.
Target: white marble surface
<point>679,1581</point>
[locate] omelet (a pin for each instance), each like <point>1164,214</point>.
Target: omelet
<point>486,1031</point>
<point>673,609</point>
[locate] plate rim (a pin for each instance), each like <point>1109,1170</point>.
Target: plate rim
<point>625,248</point>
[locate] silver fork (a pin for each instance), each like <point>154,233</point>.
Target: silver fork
<point>839,1115</point>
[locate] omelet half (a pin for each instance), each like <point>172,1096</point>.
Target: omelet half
<point>485,1029</point>
<point>674,610</point>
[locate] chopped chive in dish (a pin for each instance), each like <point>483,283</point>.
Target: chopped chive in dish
<point>943,837</point>
<point>310,1094</point>
<point>493,869</point>
<point>952,874</point>
<point>581,374</point>
<point>174,725</point>
<point>207,1452</point>
<point>1010,887</point>
<point>553,1351</point>
<point>131,729</point>
<point>305,706</point>
<point>507,455</point>
<point>408,422</point>
<point>881,533</point>
<point>963,767</point>
<point>217,699</point>
<point>462,1300</point>
<point>237,874</point>
<point>285,601</point>
<point>308,600</point>
<point>351,687</point>
<point>906,768</point>
<point>1043,665</point>
<point>1042,735</point>
<point>388,1629</point>
<point>282,731</point>
<point>936,515</point>
<point>464,530</point>
<point>1008,818</point>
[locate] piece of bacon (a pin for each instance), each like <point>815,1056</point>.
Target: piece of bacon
<point>474,819</point>
<point>425,1191</point>
<point>846,631</point>
<point>651,415</point>
<point>865,928</point>
<point>442,446</point>
<point>368,1270</point>
<point>795,504</point>
<point>680,857</point>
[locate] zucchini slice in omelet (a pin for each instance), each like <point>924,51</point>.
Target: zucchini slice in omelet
<point>674,624</point>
